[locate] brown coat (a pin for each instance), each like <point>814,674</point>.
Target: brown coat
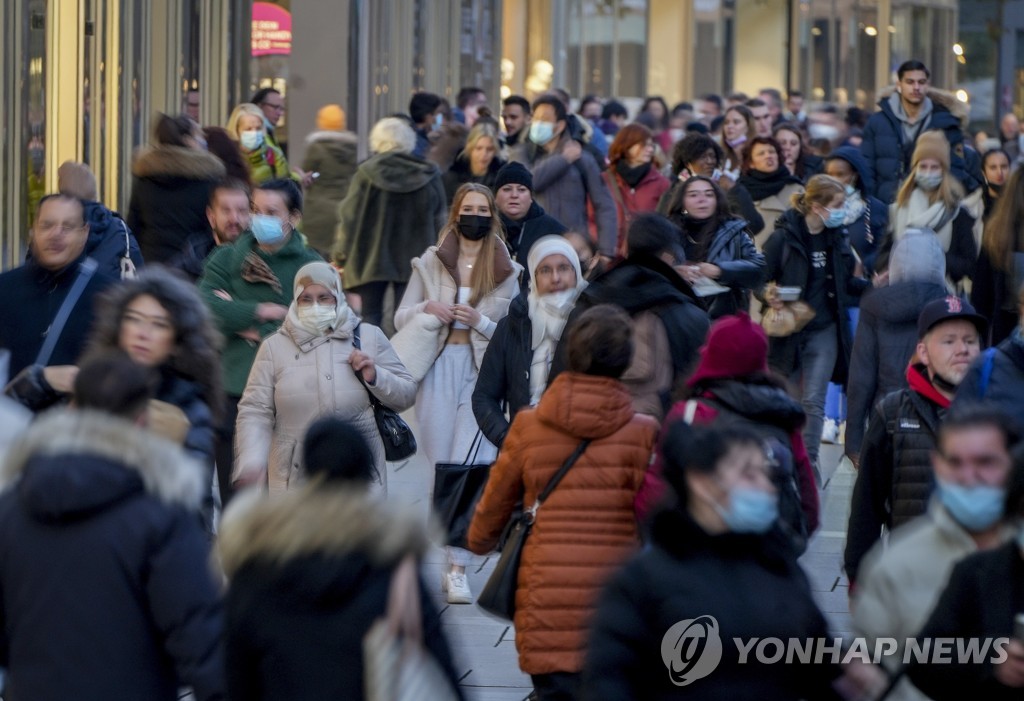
<point>587,527</point>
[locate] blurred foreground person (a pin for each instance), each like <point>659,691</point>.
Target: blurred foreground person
<point>104,579</point>
<point>587,525</point>
<point>716,558</point>
<point>310,572</point>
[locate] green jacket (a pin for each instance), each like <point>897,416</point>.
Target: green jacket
<point>267,163</point>
<point>223,272</point>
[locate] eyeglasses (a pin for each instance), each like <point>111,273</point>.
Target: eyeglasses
<point>271,105</point>
<point>57,227</point>
<point>548,271</point>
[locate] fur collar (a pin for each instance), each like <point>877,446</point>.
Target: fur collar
<point>942,98</point>
<point>448,253</point>
<point>347,137</point>
<point>177,161</point>
<point>166,471</point>
<point>292,525</point>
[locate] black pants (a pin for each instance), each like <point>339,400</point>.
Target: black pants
<point>557,686</point>
<point>372,296</point>
<point>224,451</point>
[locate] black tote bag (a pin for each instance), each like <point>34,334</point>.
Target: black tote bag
<point>457,489</point>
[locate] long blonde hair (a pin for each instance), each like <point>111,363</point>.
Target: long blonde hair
<point>483,130</point>
<point>951,192</point>
<point>482,281</point>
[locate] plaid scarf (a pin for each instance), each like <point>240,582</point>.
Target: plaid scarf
<point>256,270</point>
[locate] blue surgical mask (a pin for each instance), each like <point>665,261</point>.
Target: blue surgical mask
<point>268,230</point>
<point>541,132</point>
<point>251,140</point>
<point>975,508</point>
<point>749,510</point>
<point>835,218</point>
<point>438,120</point>
<point>928,181</point>
<point>850,190</point>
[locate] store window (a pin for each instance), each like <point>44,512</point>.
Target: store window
<point>713,46</point>
<point>271,49</point>
<point>607,48</point>
<point>34,100</point>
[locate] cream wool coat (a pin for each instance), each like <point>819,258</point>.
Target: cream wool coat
<point>297,378</point>
<point>771,208</point>
<point>421,336</point>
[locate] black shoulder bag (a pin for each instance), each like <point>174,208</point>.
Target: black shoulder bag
<point>399,442</point>
<point>499,594</point>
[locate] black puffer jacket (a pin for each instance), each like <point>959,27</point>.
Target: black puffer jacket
<point>687,575</point>
<point>302,597</point>
<point>1005,389</point>
<point>504,379</point>
<point>640,284</point>
<point>788,262</point>
<point>885,340</point>
<point>169,197</point>
<point>123,605</point>
<point>521,234</point>
<point>895,478</point>
<point>992,294</point>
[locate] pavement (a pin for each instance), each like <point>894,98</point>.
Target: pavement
<point>484,647</point>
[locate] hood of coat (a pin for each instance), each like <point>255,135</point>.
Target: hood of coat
<point>177,162</point>
<point>942,99</point>
<point>72,464</point>
<point>902,302</point>
<point>394,171</point>
<point>758,402</point>
<point>278,531</point>
<point>347,138</point>
<point>586,406</point>
<point>852,155</point>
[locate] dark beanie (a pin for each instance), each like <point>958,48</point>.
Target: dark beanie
<point>651,234</point>
<point>336,449</point>
<point>513,172</point>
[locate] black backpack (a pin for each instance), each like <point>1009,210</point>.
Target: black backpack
<point>777,446</point>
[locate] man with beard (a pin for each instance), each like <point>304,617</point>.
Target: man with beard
<point>228,214</point>
<point>895,480</point>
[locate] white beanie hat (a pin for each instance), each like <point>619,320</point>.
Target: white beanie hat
<point>549,246</point>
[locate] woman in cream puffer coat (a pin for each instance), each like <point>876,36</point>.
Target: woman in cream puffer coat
<point>307,370</point>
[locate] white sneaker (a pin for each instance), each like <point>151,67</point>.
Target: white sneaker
<point>830,432</point>
<point>458,588</point>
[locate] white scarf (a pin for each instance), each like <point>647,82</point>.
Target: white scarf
<point>855,206</point>
<point>548,314</point>
<point>919,214</point>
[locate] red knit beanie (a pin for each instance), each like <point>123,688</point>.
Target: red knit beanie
<point>736,346</point>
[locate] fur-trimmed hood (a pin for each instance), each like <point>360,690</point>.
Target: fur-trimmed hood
<point>316,520</point>
<point>345,137</point>
<point>71,464</point>
<point>163,162</point>
<point>940,98</point>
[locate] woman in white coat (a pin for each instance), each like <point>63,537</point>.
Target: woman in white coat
<point>308,370</point>
<point>459,290</point>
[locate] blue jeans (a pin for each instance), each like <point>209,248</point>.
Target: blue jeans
<point>835,402</point>
<point>816,359</point>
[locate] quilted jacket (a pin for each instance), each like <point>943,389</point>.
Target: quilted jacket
<point>585,529</point>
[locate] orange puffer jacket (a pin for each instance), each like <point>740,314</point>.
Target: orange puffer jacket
<point>585,529</point>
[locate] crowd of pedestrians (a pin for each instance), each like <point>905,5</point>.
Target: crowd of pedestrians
<point>647,326</point>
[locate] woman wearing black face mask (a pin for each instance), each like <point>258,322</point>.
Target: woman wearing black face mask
<point>458,292</point>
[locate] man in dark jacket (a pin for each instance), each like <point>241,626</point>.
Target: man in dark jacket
<point>565,175</point>
<point>895,479</point>
<point>33,293</point>
<point>892,132</point>
<point>524,220</point>
<point>228,214</point>
<point>105,588</point>
<point>997,377</point>
<point>667,317</point>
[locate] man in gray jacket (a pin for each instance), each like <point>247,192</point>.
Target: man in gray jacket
<point>565,175</point>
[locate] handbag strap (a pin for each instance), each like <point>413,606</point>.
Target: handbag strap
<point>478,441</point>
<point>374,402</point>
<point>558,476</point>
<point>85,273</point>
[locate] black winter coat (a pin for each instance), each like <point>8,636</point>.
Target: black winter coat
<point>504,379</point>
<point>993,296</point>
<point>460,174</point>
<point>868,231</point>
<point>1005,389</point>
<point>122,605</point>
<point>743,268</point>
<point>886,339</point>
<point>521,234</point>
<point>187,395</point>
<point>639,284</point>
<point>169,197</point>
<point>301,599</point>
<point>788,263</point>
<point>31,297</point>
<point>895,479</point>
<point>984,593</point>
<point>888,154</point>
<point>688,574</point>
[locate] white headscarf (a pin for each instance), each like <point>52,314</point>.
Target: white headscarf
<point>320,273</point>
<point>549,312</point>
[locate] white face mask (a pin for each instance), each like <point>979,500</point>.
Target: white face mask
<point>317,319</point>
